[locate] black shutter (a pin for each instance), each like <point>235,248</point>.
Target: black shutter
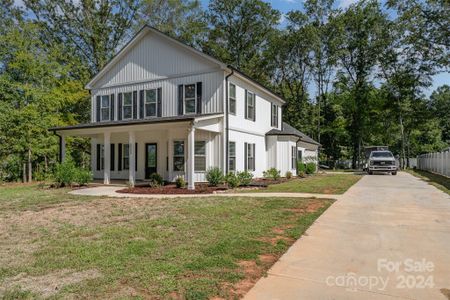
<point>159,114</point>
<point>113,155</point>
<point>245,157</point>
<point>98,156</point>
<point>97,109</point>
<point>135,156</point>
<point>119,114</point>
<point>134,104</point>
<point>245,104</point>
<point>199,98</point>
<point>112,107</point>
<point>254,157</point>
<point>180,99</point>
<point>119,158</point>
<point>141,104</point>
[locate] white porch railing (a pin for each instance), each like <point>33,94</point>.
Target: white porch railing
<point>437,162</point>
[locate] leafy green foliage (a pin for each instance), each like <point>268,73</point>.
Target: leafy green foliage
<point>288,175</point>
<point>214,176</point>
<point>67,174</point>
<point>232,180</point>
<point>310,168</point>
<point>180,182</point>
<point>156,180</point>
<point>245,178</point>
<point>272,173</point>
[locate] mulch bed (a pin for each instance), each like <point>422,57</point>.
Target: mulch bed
<point>172,189</point>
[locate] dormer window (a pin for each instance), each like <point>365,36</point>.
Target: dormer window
<point>105,108</point>
<point>190,102</point>
<point>127,106</point>
<point>151,102</point>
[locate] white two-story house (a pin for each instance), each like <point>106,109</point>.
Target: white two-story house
<point>160,106</point>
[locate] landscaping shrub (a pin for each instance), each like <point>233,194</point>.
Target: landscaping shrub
<point>272,173</point>
<point>288,175</point>
<point>180,182</point>
<point>156,180</point>
<point>310,168</point>
<point>67,174</point>
<point>214,176</point>
<point>301,169</point>
<point>232,180</point>
<point>245,178</point>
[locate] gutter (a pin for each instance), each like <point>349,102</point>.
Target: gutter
<point>227,113</point>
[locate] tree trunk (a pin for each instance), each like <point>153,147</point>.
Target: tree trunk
<point>24,172</point>
<point>402,165</point>
<point>30,167</point>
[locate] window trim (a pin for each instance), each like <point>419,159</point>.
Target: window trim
<point>123,106</point>
<point>252,118</point>
<point>250,149</point>
<point>174,155</point>
<point>231,156</point>
<point>156,103</point>
<point>200,156</point>
<point>195,99</point>
<point>105,107</point>
<point>231,98</point>
<point>125,156</point>
<point>294,157</point>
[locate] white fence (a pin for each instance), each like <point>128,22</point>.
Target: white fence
<point>438,162</point>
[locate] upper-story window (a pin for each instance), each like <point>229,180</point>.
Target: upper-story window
<point>105,108</point>
<point>274,116</point>
<point>232,99</point>
<point>151,102</point>
<point>250,106</point>
<point>190,101</point>
<point>127,106</point>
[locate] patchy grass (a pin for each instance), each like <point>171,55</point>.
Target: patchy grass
<point>145,248</point>
<point>439,181</point>
<point>319,184</point>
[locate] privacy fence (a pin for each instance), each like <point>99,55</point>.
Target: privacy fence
<point>438,162</point>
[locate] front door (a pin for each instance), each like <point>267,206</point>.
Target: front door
<point>151,159</point>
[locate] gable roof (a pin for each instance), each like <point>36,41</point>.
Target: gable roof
<point>289,130</point>
<point>147,28</point>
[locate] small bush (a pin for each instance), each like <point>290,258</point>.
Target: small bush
<point>67,174</point>
<point>232,180</point>
<point>156,180</point>
<point>214,176</point>
<point>288,175</point>
<point>310,168</point>
<point>180,182</point>
<point>272,173</point>
<point>245,178</point>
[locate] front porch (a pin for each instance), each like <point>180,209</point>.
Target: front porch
<point>132,152</point>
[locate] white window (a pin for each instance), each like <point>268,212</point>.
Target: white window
<point>250,110</point>
<point>232,156</point>
<point>127,106</point>
<point>232,99</point>
<point>151,103</point>
<point>126,156</point>
<point>178,155</point>
<point>293,157</point>
<point>190,99</point>
<point>250,157</point>
<point>200,156</point>
<point>274,119</point>
<point>104,108</point>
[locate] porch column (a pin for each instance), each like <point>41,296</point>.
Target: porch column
<point>106,157</point>
<point>190,158</point>
<point>132,154</point>
<point>62,149</point>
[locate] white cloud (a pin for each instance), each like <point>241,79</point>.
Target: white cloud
<point>346,3</point>
<point>19,3</point>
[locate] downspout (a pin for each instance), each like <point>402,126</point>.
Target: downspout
<point>227,121</point>
<point>296,153</point>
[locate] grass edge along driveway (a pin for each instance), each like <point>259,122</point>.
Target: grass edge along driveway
<point>439,181</point>
<point>144,248</point>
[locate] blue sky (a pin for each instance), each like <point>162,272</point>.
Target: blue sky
<point>285,6</point>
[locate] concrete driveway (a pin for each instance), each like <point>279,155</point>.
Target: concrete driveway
<point>387,237</point>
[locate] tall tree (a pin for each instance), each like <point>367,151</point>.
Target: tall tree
<point>440,105</point>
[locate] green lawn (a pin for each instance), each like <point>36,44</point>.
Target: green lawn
<point>319,184</point>
<point>142,248</point>
<point>441,182</point>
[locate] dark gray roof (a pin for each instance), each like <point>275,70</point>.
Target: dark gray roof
<point>289,130</point>
<point>182,118</point>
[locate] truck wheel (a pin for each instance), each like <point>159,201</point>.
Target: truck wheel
<point>394,173</point>
<point>370,173</point>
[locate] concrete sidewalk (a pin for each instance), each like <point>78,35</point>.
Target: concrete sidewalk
<point>111,191</point>
<point>367,238</point>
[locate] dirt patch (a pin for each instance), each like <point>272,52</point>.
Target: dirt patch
<point>446,293</point>
<point>49,284</point>
<point>173,190</point>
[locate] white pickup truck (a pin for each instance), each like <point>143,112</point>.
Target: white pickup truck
<point>381,161</point>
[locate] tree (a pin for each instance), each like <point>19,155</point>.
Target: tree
<point>440,106</point>
<point>240,30</point>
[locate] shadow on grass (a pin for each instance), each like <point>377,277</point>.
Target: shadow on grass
<point>441,182</point>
